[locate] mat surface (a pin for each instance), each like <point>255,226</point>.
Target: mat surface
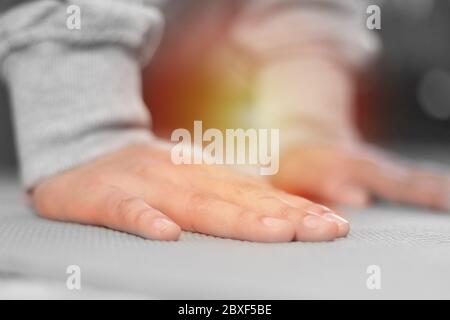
<point>411,248</point>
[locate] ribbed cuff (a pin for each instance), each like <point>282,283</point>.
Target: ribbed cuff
<point>126,23</point>
<point>71,106</point>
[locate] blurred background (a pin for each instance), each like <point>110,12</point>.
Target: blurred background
<point>404,98</point>
<point>411,84</point>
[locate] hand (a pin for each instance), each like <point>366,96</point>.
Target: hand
<point>138,190</point>
<point>352,176</point>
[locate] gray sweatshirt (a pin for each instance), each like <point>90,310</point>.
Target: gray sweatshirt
<point>76,93</point>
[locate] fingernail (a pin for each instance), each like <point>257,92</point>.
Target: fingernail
<point>313,222</point>
<point>335,218</point>
<point>162,224</point>
<point>274,222</point>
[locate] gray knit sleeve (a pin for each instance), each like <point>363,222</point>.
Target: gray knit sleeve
<point>76,93</point>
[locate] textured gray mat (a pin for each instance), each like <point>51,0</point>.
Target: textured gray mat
<point>411,247</point>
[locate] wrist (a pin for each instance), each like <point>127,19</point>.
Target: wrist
<point>309,99</point>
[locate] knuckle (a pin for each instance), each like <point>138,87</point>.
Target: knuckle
<point>241,220</point>
<point>195,201</point>
<point>287,212</point>
<point>138,217</point>
<point>242,215</point>
<point>121,208</point>
<point>268,200</point>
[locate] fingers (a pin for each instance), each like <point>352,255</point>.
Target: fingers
<point>210,215</point>
<point>121,211</point>
<point>405,185</point>
<point>226,219</point>
<point>436,188</point>
<point>311,209</point>
<point>356,175</point>
<point>428,189</point>
<point>312,222</point>
<point>236,207</point>
<point>202,212</point>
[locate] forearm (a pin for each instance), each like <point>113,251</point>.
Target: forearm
<point>76,93</point>
<point>309,98</point>
<point>306,54</point>
<point>271,30</point>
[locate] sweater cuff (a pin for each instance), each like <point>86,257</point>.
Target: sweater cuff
<point>71,106</point>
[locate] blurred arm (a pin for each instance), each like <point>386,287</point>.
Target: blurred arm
<point>306,52</point>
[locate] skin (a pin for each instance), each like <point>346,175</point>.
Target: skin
<point>316,96</point>
<point>355,176</point>
<point>138,190</point>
